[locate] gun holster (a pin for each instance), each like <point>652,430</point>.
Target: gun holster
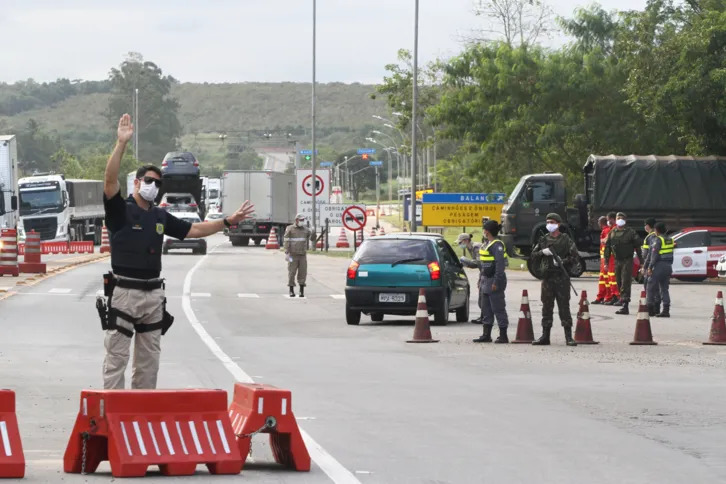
<point>102,311</point>
<point>167,320</point>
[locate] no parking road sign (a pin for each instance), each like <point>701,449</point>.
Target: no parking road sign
<point>354,218</point>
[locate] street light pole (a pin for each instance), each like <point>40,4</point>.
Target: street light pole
<point>314,178</point>
<point>414,115</point>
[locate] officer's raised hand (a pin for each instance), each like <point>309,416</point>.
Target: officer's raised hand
<point>125,129</point>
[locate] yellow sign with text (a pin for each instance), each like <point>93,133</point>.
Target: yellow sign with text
<point>420,193</point>
<point>459,214</point>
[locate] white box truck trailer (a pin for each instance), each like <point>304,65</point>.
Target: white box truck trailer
<point>8,182</point>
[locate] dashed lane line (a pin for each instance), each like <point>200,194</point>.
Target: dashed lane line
<point>334,469</point>
<point>201,294</point>
<point>248,296</point>
<point>60,290</point>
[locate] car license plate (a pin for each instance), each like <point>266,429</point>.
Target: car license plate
<point>392,298</point>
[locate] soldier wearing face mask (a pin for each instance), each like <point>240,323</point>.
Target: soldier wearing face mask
<point>623,242</point>
<point>295,244</point>
<point>555,281</point>
<point>135,291</point>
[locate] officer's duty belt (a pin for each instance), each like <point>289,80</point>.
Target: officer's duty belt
<point>149,285</point>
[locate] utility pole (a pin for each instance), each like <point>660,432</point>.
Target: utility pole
<point>378,196</point>
<point>314,178</point>
<point>414,119</point>
<point>136,123</point>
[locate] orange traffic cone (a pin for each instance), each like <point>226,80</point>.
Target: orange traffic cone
<point>381,232</point>
<point>422,328</point>
<point>643,335</point>
<point>272,242</point>
<point>718,324</point>
<point>342,242</point>
<point>383,212</point>
<point>583,329</point>
<point>105,245</point>
<point>525,331</point>
<point>373,232</point>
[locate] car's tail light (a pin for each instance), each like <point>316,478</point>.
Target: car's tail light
<point>196,163</point>
<point>434,271</point>
<point>192,204</point>
<point>164,164</point>
<point>163,204</point>
<point>353,270</point>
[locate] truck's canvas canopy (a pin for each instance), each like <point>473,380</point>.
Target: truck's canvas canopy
<point>636,182</point>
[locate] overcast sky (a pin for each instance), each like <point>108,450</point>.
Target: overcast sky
<point>232,40</point>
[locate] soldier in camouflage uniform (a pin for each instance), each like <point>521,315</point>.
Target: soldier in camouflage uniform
<point>492,282</point>
<point>555,279</point>
<point>465,242</point>
<point>623,241</point>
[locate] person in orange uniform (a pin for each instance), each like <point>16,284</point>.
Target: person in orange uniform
<point>603,283</point>
<point>613,296</point>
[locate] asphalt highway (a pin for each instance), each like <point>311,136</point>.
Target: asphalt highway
<point>374,409</point>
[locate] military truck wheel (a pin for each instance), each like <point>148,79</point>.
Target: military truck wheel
<point>536,273</point>
<point>244,241</point>
<point>258,241</point>
<point>236,241</point>
<point>578,268</point>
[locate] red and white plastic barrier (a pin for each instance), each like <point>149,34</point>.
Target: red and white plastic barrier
<point>12,459</point>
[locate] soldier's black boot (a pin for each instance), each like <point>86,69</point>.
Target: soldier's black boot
<point>502,336</point>
<point>486,336</point>
<point>568,336</point>
<point>302,290</point>
<point>624,309</point>
<point>666,313</point>
<point>292,291</point>
<point>545,339</point>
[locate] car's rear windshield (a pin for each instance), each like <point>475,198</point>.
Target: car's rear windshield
<point>388,251</point>
<point>181,199</point>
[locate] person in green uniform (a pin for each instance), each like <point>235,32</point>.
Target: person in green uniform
<point>555,278</point>
<point>622,242</point>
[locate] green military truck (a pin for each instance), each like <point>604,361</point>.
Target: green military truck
<point>681,191</point>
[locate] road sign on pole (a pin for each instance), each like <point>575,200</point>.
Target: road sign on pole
<point>375,163</point>
<point>326,163</point>
<point>305,187</point>
<point>366,151</point>
<point>354,218</point>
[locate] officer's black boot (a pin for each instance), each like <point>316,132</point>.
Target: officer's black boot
<point>486,336</point>
<point>568,336</point>
<point>502,336</point>
<point>302,290</point>
<point>545,339</point>
<point>475,321</point>
<point>656,309</point>
<point>624,309</point>
<point>613,302</point>
<point>292,291</point>
<point>666,313</point>
<point>651,310</point>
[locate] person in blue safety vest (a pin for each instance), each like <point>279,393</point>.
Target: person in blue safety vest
<point>660,268</point>
<point>492,263</point>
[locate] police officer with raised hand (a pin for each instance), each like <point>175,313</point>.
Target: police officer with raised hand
<point>554,253</point>
<point>623,241</point>
<point>464,241</point>
<point>492,263</point>
<point>136,301</point>
<point>295,244</point>
<point>660,268</point>
<point>645,248</point>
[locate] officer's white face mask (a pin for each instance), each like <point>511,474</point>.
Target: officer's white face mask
<point>298,223</point>
<point>552,227</point>
<point>148,191</point>
<point>620,222</point>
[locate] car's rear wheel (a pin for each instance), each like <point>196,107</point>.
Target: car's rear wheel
<point>441,315</point>
<point>164,251</point>
<point>351,316</point>
<point>462,313</point>
<point>377,317</point>
<point>203,251</point>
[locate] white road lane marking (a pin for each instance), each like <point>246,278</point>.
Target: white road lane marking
<point>334,469</point>
<point>248,296</point>
<point>338,296</point>
<point>60,290</point>
<point>201,294</point>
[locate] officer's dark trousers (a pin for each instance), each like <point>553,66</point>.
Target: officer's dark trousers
<point>494,304</point>
<point>624,277</point>
<point>556,288</point>
<point>659,283</point>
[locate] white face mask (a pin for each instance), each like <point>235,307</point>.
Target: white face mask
<point>552,227</point>
<point>298,223</point>
<point>148,191</point>
<point>620,222</point>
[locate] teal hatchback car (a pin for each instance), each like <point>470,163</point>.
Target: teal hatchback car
<point>387,272</point>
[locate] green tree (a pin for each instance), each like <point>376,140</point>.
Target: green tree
<point>158,124</point>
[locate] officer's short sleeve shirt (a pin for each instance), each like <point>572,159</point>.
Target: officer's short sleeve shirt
<point>115,208</point>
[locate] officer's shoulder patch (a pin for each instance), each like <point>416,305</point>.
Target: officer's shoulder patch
<point>160,229</point>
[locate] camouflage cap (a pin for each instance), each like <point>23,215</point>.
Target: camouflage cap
<point>554,216</point>
<point>621,215</point>
<point>462,237</point>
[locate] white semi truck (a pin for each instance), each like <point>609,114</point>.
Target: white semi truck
<point>60,209</point>
<point>8,182</point>
<point>214,191</point>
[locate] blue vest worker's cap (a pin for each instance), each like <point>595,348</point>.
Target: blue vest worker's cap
<point>650,221</point>
<point>554,216</point>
